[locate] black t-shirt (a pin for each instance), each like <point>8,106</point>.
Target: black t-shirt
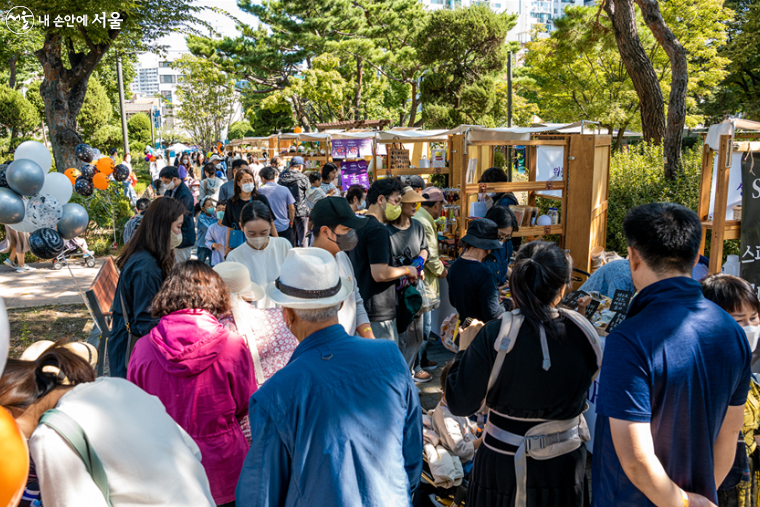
<point>232,212</point>
<point>374,247</point>
<point>473,290</point>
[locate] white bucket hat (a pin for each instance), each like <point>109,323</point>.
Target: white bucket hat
<point>309,279</point>
<point>237,278</point>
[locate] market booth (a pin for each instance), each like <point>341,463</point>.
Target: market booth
<point>729,154</point>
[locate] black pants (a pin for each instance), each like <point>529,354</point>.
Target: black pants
<point>301,224</point>
<point>287,234</point>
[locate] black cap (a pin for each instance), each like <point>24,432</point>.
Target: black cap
<point>415,181</point>
<point>483,233</point>
<point>332,211</point>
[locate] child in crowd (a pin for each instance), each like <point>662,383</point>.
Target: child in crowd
<point>129,228</point>
<point>216,236</point>
<point>737,297</point>
<point>315,193</point>
<point>206,218</point>
<point>457,434</point>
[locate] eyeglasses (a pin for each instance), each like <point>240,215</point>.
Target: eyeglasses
<point>503,238</point>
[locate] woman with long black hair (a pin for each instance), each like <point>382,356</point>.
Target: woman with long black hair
<point>532,367</point>
<point>144,264</point>
<point>245,192</point>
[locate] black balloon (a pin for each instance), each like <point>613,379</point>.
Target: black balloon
<point>84,186</point>
<point>46,243</point>
<point>88,171</point>
<point>84,152</point>
<point>3,180</point>
<point>121,172</point>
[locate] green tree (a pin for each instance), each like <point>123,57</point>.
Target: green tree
<point>33,96</point>
<point>466,52</point>
<point>208,98</point>
<point>17,115</point>
<point>69,55</point>
<point>138,128</point>
<point>107,137</point>
<point>240,129</point>
<point>738,93</point>
<point>96,110</point>
<point>17,60</point>
<point>105,73</point>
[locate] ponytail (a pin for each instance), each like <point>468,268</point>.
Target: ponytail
<point>540,271</point>
<point>25,382</point>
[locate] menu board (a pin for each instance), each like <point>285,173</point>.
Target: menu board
<point>354,173</point>
<point>620,301</point>
<point>750,235</point>
<point>351,148</point>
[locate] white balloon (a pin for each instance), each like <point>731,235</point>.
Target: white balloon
<point>35,150</point>
<point>544,220</point>
<point>59,186</point>
<point>5,336</point>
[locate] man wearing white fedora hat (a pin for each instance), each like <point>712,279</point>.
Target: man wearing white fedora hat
<point>324,432</point>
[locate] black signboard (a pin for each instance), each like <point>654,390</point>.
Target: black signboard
<point>750,238</point>
<point>591,308</point>
<point>620,301</point>
<point>615,322</point>
<point>571,300</point>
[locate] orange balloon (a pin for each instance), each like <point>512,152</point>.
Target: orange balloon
<point>14,460</point>
<point>105,165</point>
<point>100,181</point>
<point>72,174</point>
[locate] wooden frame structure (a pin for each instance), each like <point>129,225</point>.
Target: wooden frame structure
<point>416,154</point>
<point>721,228</point>
<point>584,186</point>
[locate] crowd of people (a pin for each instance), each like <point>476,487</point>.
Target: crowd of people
<point>279,366</point>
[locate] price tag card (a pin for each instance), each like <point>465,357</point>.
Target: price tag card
<point>571,300</point>
<point>615,322</point>
<point>591,308</point>
<point>621,300</point>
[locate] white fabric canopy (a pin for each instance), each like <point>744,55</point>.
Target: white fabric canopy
<point>178,147</point>
<point>728,128</point>
<point>478,133</point>
<point>401,136</point>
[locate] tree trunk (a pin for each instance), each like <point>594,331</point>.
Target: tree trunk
<point>415,103</point>
<point>623,16</point>
<point>12,66</point>
<point>358,93</point>
<point>63,92</point>
<point>619,140</point>
<point>678,82</point>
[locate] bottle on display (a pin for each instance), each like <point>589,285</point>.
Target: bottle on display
<point>553,215</point>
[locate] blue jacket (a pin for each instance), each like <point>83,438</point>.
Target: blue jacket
<point>185,196</point>
<point>498,262</point>
<point>340,425</point>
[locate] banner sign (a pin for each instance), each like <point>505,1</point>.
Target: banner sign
<point>354,173</point>
<point>550,165</point>
<point>351,148</point>
<point>750,236</point>
<point>734,185</point>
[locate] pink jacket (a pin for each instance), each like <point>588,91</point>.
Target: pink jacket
<point>204,376</point>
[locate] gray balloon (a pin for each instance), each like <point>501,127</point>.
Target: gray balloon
<point>74,221</point>
<point>12,208</point>
<point>25,177</point>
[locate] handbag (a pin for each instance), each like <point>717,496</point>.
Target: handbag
<point>132,339</point>
<point>237,237</point>
<point>73,433</point>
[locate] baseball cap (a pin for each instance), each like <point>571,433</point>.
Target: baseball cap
<point>415,181</point>
<point>214,157</point>
<point>296,161</point>
<point>433,194</point>
<point>332,211</point>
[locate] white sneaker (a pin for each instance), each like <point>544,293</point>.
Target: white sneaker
<point>19,269</point>
<point>10,263</point>
<point>29,268</point>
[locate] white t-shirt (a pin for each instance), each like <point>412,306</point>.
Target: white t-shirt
<point>147,457</point>
<point>352,314</point>
<point>263,265</point>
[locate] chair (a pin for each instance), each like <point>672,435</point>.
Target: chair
<point>99,298</point>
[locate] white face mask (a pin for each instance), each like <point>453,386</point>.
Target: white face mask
<point>753,333</point>
<point>169,186</point>
<point>363,204</point>
<point>258,242</point>
<point>176,240</point>
<point>248,187</point>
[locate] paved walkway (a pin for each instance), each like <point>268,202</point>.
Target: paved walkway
<point>46,286</point>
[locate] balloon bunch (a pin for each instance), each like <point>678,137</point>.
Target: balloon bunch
<point>37,201</point>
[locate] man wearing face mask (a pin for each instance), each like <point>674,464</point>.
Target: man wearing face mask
<point>176,189</point>
<point>372,258</point>
<point>334,229</point>
<point>298,184</point>
<point>227,189</point>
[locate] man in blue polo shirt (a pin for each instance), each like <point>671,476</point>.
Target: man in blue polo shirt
<point>674,378</point>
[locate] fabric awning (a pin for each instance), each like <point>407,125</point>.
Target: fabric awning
<point>728,128</point>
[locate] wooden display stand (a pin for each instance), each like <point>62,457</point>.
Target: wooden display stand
<point>721,228</point>
<point>584,185</point>
<point>415,154</point>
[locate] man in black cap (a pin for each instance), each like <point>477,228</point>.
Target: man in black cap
<point>334,228</point>
<point>298,184</point>
<point>416,182</point>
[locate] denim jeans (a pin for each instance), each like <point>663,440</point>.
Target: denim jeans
<point>129,192</point>
<point>427,325</point>
<point>204,254</point>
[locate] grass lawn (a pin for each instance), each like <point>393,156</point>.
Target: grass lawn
<point>29,325</point>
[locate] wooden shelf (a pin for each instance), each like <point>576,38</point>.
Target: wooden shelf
<point>732,229</point>
<point>416,170</point>
<point>518,186</point>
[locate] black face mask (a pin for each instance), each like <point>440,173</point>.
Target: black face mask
<point>346,242</point>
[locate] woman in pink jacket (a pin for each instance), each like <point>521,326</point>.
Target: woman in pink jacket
<point>202,372</point>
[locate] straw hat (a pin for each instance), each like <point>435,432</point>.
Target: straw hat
<point>309,279</point>
<point>411,196</point>
<point>84,350</point>
<point>238,279</point>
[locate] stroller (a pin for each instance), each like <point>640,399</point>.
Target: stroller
<point>73,250</point>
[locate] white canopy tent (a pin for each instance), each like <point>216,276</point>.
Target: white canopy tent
<point>728,128</point>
